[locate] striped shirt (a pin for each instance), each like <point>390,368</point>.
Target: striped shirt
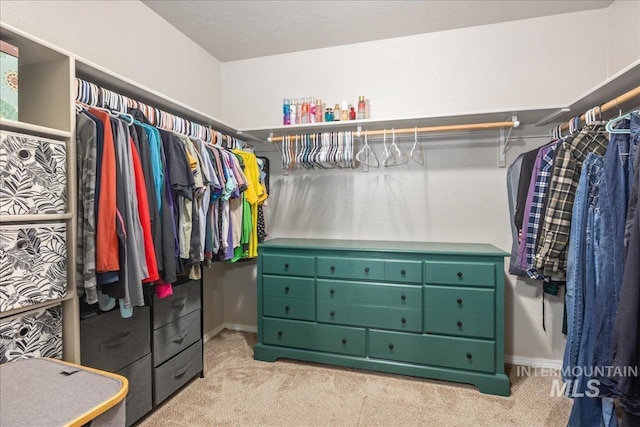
<point>551,256</point>
<point>540,190</point>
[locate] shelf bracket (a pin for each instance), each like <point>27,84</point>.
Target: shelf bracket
<point>503,142</point>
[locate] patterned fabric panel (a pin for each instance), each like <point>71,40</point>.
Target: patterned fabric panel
<point>33,175</point>
<point>34,334</point>
<point>33,264</point>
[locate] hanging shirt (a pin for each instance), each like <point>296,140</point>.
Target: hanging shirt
<point>254,191</point>
<point>143,215</point>
<point>86,143</point>
<point>107,257</point>
<point>551,257</point>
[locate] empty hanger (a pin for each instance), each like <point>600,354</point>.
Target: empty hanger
<point>366,155</point>
<point>416,150</point>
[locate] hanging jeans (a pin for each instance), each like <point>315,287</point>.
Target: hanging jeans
<point>589,409</point>
<point>613,201</point>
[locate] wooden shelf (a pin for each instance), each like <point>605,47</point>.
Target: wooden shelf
<point>524,115</point>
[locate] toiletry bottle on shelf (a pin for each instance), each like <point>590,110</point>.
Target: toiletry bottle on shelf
<point>328,116</point>
<point>344,111</point>
<point>336,113</point>
<point>362,108</point>
<point>312,111</point>
<point>319,111</point>
<point>299,111</point>
<point>293,108</point>
<point>352,113</point>
<point>286,110</point>
<point>304,115</point>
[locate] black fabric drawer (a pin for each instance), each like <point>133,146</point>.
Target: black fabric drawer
<point>177,372</point>
<point>171,339</point>
<point>185,299</point>
<point>139,397</point>
<point>109,342</point>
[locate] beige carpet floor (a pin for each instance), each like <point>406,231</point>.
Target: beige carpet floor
<point>239,391</point>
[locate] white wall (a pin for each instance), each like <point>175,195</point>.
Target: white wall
<point>459,195</point>
<point>501,66</point>
<point>624,34</point>
<point>127,38</point>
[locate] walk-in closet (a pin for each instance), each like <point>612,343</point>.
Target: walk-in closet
<point>353,213</point>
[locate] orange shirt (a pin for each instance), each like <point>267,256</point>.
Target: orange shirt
<point>106,234</point>
<point>145,218</point>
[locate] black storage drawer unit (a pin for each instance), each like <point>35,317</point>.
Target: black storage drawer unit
<point>171,339</point>
<point>185,299</point>
<point>139,397</point>
<point>109,342</point>
<point>176,372</point>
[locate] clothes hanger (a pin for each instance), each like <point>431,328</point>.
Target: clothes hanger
<point>416,151</point>
<point>398,157</point>
<point>366,155</point>
<point>609,127</point>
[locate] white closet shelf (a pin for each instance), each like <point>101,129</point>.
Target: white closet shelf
<point>623,81</point>
<point>46,304</point>
<point>31,218</point>
<point>102,77</point>
<point>524,115</point>
<point>32,129</point>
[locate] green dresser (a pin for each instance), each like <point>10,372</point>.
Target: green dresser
<point>433,310</point>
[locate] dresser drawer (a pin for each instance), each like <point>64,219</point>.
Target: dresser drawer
<point>453,298</point>
<point>366,315</point>
<point>449,352</point>
<point>460,273</point>
<point>334,267</point>
<point>109,342</point>
<point>294,287</point>
<point>171,339</point>
<point>33,262</point>
<point>176,372</point>
<point>479,325</point>
<point>311,336</point>
<point>289,308</point>
<point>403,271</point>
<point>36,333</point>
<point>139,396</point>
<point>185,299</point>
<point>374,294</point>
<point>289,265</point>
<point>370,269</point>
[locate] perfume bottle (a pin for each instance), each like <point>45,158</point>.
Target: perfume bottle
<point>319,111</point>
<point>286,111</point>
<point>344,111</point>
<point>352,113</point>
<point>328,116</point>
<point>336,113</point>
<point>362,108</point>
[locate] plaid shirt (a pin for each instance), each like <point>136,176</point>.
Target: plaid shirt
<point>551,257</point>
<point>541,185</point>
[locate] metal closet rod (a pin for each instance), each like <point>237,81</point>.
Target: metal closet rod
<point>625,97</point>
<point>441,128</point>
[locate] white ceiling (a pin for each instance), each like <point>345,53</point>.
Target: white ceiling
<point>233,30</point>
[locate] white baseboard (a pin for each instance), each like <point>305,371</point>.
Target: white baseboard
<point>535,363</point>
<point>230,326</point>
<point>206,337</point>
<point>240,327</point>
